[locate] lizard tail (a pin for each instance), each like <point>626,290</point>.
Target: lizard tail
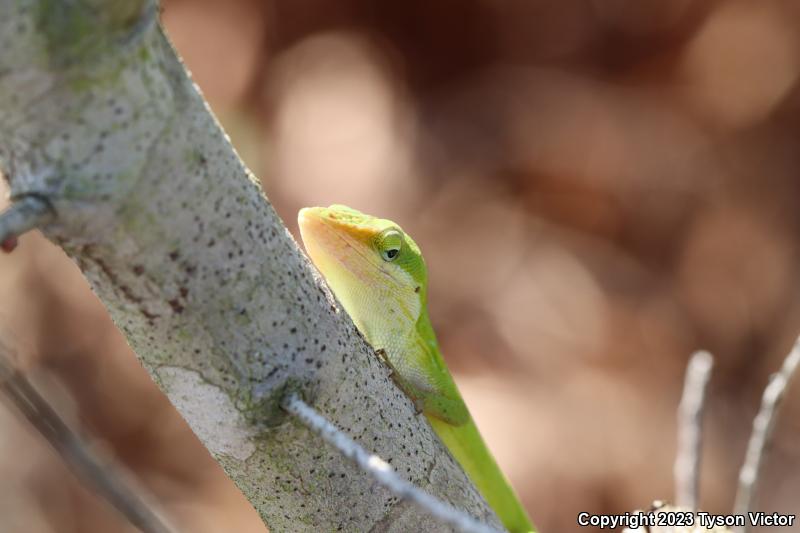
<point>467,447</point>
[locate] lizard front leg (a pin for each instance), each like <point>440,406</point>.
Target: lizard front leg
<point>398,380</point>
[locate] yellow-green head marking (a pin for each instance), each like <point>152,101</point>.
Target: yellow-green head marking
<point>373,266</point>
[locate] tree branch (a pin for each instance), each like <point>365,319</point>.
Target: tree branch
<point>381,470</point>
<point>23,215</point>
<point>176,238</point>
<point>75,452</point>
<point>690,426</point>
<point>763,426</point>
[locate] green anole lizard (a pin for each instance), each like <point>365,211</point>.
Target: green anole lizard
<point>377,272</point>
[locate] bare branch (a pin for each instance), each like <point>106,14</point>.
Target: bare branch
<point>763,425</point>
<point>27,213</point>
<point>690,425</point>
<point>380,470</point>
<point>104,479</point>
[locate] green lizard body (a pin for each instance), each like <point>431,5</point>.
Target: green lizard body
<point>378,274</point>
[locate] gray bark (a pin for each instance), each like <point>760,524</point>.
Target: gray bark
<point>99,118</point>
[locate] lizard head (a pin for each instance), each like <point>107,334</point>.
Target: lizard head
<point>375,269</point>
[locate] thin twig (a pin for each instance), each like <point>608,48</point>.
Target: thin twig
<point>76,453</point>
<point>380,470</point>
<point>690,430</point>
<point>760,438</point>
<point>26,213</point>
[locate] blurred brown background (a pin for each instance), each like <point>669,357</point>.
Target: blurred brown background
<point>600,187</point>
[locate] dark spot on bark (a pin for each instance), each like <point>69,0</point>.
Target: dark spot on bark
<point>148,315</point>
<point>184,291</point>
<point>129,294</point>
<point>175,305</point>
<point>138,270</point>
<point>173,255</point>
<point>112,277</point>
<point>416,289</point>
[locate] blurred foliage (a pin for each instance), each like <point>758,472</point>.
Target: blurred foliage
<point>600,187</point>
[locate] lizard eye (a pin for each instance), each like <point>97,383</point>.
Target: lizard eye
<point>389,244</point>
<point>390,254</point>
